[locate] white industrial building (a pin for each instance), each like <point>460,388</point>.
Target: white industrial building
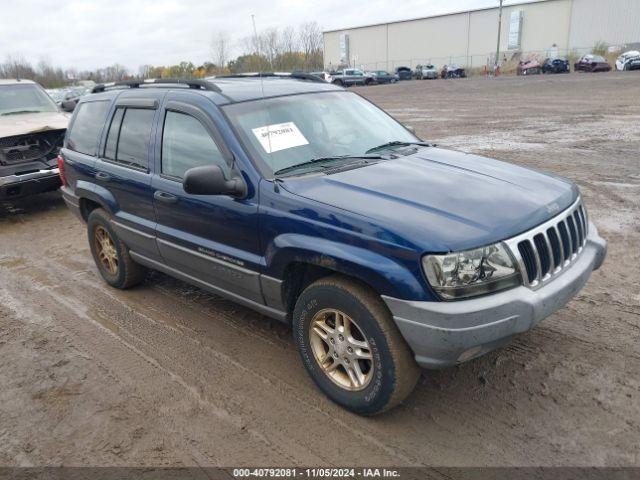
<point>543,27</point>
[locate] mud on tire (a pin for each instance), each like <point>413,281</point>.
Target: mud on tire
<point>127,273</point>
<point>394,371</point>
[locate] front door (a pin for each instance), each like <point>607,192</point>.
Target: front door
<point>212,238</point>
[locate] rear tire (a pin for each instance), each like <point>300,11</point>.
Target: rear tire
<point>367,370</point>
<point>110,254</point>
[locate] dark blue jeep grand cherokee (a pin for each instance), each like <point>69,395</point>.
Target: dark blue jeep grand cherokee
<point>313,206</point>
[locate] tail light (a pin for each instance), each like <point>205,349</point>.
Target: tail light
<point>61,169</point>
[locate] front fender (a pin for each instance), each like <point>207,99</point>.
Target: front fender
<point>383,274</point>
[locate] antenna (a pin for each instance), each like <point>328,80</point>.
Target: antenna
<point>257,40</point>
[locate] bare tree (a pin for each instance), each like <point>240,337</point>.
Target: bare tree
<point>15,66</point>
<point>289,40</point>
<point>310,38</point>
<point>271,44</point>
<point>220,49</point>
<point>144,71</point>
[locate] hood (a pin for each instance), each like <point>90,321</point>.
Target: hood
<point>24,123</point>
<point>442,200</point>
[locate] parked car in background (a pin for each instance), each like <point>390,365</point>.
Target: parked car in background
<point>404,73</point>
<point>56,94</point>
<point>556,65</point>
<point>71,97</point>
<point>426,72</point>
<point>628,61</point>
<point>592,63</point>
<point>32,130</point>
<point>324,75</point>
<point>310,205</point>
<point>529,67</point>
<point>453,71</point>
<point>351,76</point>
<point>382,76</point>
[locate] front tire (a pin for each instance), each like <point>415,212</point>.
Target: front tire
<point>351,347</point>
<point>110,254</point>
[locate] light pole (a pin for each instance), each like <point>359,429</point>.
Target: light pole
<point>499,32</point>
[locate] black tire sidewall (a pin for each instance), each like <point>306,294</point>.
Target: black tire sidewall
<point>378,393</point>
<point>96,219</point>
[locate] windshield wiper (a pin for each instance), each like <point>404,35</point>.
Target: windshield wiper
<point>325,160</point>
<point>21,111</point>
<point>397,143</point>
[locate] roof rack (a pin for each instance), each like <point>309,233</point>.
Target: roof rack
<point>296,75</point>
<point>194,84</point>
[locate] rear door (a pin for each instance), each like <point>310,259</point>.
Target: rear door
<point>213,238</point>
<point>123,171</point>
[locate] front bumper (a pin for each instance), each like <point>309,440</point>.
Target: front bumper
<point>16,186</point>
<point>443,334</point>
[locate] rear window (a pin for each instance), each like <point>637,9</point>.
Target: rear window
<point>87,125</point>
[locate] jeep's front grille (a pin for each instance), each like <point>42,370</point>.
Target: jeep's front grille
<point>547,250</point>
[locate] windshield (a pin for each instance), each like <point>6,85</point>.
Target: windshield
<point>299,128</point>
<point>27,98</point>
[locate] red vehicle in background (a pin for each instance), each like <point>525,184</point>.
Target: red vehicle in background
<point>592,63</point>
<point>529,67</point>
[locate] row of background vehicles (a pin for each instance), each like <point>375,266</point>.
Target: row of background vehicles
<point>532,66</point>
<point>587,63</point>
<point>354,76</point>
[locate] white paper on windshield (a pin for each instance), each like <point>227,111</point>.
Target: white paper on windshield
<point>280,136</point>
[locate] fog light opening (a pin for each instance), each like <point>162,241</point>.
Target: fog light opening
<point>469,354</point>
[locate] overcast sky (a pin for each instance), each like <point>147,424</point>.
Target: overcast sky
<point>87,34</point>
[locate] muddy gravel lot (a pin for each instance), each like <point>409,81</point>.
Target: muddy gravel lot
<point>166,374</point>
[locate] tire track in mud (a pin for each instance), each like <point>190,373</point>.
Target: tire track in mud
<point>134,323</point>
<point>124,362</point>
<point>140,333</point>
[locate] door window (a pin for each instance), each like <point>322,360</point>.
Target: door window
<point>135,135</point>
<point>187,144</point>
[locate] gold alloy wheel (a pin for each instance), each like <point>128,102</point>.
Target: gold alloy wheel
<point>106,250</point>
<point>341,349</point>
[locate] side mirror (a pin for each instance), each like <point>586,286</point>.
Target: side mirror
<point>209,180</point>
<point>68,105</point>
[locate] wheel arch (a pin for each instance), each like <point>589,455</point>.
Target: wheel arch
<point>97,197</point>
<point>300,260</point>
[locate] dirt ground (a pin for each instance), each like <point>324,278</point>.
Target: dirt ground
<point>166,374</point>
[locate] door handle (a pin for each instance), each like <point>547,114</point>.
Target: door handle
<point>165,197</point>
<point>105,177</point>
